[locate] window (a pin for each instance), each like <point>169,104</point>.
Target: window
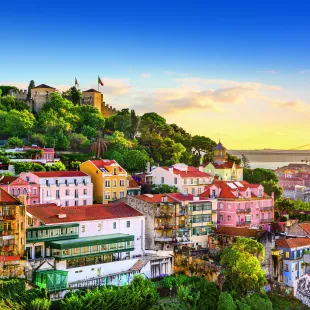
<point>114,183</point>
<point>122,183</point>
<point>114,195</point>
<point>193,191</point>
<point>199,191</point>
<point>228,218</point>
<point>162,180</point>
<point>197,181</point>
<point>48,194</point>
<point>57,183</point>
<point>192,181</point>
<point>228,207</point>
<point>287,254</point>
<point>257,216</point>
<point>285,267</point>
<point>175,180</point>
<point>66,182</point>
<point>84,181</point>
<point>18,191</point>
<point>47,183</point>
<point>115,171</point>
<point>221,218</point>
<point>186,191</point>
<point>75,202</point>
<point>269,215</point>
<point>263,215</point>
<point>85,191</point>
<point>185,181</point>
<point>99,227</point>
<point>24,191</point>
<point>13,191</point>
<point>114,225</point>
<point>83,228</point>
<point>67,203</point>
<point>67,192</point>
<point>107,196</point>
<point>34,202</point>
<point>84,202</point>
<point>75,182</point>
<point>34,191</point>
<point>57,194</point>
<point>107,183</point>
<point>121,194</point>
<point>76,193</point>
<point>221,205</point>
<point>128,224</point>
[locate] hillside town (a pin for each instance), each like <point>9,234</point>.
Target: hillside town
<point>67,224</point>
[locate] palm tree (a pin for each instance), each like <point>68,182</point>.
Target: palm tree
<point>99,146</point>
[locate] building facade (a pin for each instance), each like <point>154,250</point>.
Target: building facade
<point>241,204</point>
<point>29,193</point>
<point>109,179</point>
<point>64,188</point>
<point>187,179</point>
<point>88,246</point>
<point>40,95</point>
<point>293,261</point>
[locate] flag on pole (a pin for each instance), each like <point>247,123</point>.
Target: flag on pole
<point>99,81</point>
<point>76,83</point>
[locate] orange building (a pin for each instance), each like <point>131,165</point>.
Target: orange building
<point>109,179</point>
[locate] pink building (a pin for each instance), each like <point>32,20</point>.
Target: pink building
<point>19,188</point>
<point>64,188</point>
<point>241,204</point>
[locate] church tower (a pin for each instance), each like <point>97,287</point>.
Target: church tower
<point>219,152</point>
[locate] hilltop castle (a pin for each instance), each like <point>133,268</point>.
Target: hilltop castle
<point>42,93</point>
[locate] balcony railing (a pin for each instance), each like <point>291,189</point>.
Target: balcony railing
<point>266,208</point>
<point>275,252</point>
<point>6,233</point>
<point>163,214</point>
<point>7,217</point>
<point>266,220</point>
<point>245,210</point>
<point>240,223</point>
<point>167,226</point>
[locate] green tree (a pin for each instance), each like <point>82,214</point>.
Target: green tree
<point>99,147</point>
<point>135,160</point>
<point>258,302</point>
<point>163,189</point>
<point>15,142</point>
<point>134,123</point>
<point>272,187</point>
<point>202,144</point>
<point>58,166</point>
<point>0,92</point>
<point>89,132</point>
<point>243,270</point>
<point>77,140</point>
<point>169,152</point>
<point>226,302</point>
<point>31,85</point>
<point>259,175</point>
<point>73,94</point>
<point>40,304</point>
<point>38,139</point>
<point>233,159</point>
<point>245,162</point>
<point>19,123</point>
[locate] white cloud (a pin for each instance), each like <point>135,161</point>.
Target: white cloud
<point>146,75</point>
<point>112,86</point>
<point>295,105</point>
<point>304,71</point>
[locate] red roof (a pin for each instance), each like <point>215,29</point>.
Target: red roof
<point>154,198</point>
<point>293,243</point>
<point>48,213</point>
<point>9,258</point>
<point>46,150</point>
<point>181,197</point>
<point>239,232</point>
<point>5,180</point>
<point>60,174</point>
<point>104,163</point>
<point>6,198</point>
<point>191,172</point>
<point>133,184</point>
<point>225,165</point>
<point>305,227</point>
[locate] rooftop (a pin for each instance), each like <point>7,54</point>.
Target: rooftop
<point>6,198</point>
<point>91,91</point>
<point>191,172</point>
<point>154,198</point>
<point>219,147</point>
<point>49,213</point>
<point>44,86</point>
<point>240,232</point>
<point>106,164</point>
<point>60,174</point>
<point>184,197</point>
<point>292,243</point>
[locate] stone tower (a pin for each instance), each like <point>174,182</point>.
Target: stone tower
<point>219,152</point>
<point>95,98</point>
<point>40,95</point>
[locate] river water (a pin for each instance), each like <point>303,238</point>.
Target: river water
<point>270,165</point>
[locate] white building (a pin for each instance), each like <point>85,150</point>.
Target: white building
<point>187,179</point>
<point>88,246</point>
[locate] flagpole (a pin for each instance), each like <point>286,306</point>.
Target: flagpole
<point>98,83</point>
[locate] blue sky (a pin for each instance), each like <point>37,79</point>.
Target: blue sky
<point>181,59</point>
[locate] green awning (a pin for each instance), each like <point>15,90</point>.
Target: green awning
<point>89,241</point>
<point>52,227</point>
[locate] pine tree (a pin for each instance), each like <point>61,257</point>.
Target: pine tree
<point>245,162</point>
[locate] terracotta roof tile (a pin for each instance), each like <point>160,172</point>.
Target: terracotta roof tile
<point>60,174</point>
<point>154,198</point>
<point>7,180</point>
<point>239,232</point>
<point>47,213</point>
<point>305,227</point>
<point>43,86</point>
<point>191,172</point>
<point>293,243</point>
<point>182,197</point>
<point>133,184</point>
<point>106,164</point>
<point>6,198</point>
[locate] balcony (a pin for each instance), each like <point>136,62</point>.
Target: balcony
<point>266,208</point>
<point>266,220</point>
<point>7,217</point>
<point>246,210</point>
<point>160,214</point>
<point>275,252</point>
<point>49,233</point>
<point>7,233</point>
<point>244,223</point>
<point>167,226</point>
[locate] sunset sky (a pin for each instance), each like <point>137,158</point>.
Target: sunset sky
<point>225,69</point>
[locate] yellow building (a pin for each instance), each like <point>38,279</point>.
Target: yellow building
<point>95,98</point>
<point>108,177</point>
<point>12,226</point>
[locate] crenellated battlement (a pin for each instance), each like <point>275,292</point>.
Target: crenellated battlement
<point>20,94</point>
<point>107,110</point>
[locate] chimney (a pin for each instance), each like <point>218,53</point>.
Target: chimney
<point>170,168</point>
<point>62,216</point>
